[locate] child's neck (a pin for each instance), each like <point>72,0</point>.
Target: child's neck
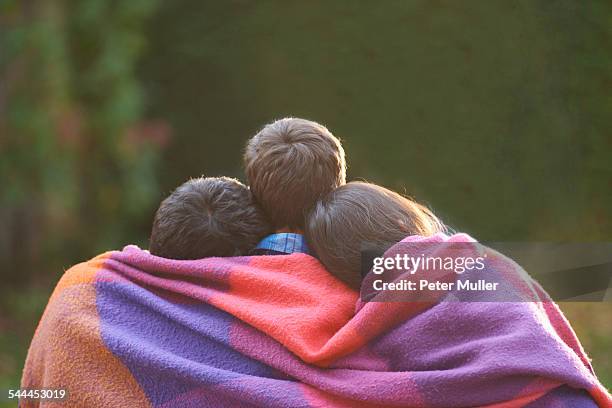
<point>288,230</point>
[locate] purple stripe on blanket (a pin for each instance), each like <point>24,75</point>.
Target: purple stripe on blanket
<point>564,397</point>
<point>361,375</point>
<point>445,349</point>
<point>169,348</point>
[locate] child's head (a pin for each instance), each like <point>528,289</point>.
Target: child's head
<point>359,216</point>
<point>213,216</point>
<point>289,165</point>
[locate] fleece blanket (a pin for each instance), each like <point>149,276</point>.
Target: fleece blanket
<point>128,329</point>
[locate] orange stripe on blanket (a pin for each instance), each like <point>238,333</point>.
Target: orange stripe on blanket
<point>299,304</point>
<point>534,391</point>
<point>67,351</point>
<point>601,395</point>
<point>517,402</point>
<point>83,273</point>
<point>304,308</point>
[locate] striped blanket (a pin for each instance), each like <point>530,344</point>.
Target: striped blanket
<point>128,329</point>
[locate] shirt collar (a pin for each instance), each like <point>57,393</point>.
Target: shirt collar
<point>285,242</point>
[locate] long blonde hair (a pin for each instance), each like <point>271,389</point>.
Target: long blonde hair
<point>359,216</point>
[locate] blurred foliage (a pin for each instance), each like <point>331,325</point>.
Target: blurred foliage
<point>77,168</point>
<point>495,113</point>
<point>593,326</point>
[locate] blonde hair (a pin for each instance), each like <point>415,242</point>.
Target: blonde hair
<point>360,216</point>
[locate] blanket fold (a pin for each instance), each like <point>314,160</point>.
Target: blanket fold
<point>128,329</point>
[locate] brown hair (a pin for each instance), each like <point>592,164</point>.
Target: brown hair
<point>290,164</point>
<point>362,216</point>
<point>213,216</point>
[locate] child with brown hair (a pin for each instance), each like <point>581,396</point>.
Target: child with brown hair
<point>363,215</point>
<point>207,216</point>
<point>290,164</point>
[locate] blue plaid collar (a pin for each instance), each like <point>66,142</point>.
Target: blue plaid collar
<point>284,242</point>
